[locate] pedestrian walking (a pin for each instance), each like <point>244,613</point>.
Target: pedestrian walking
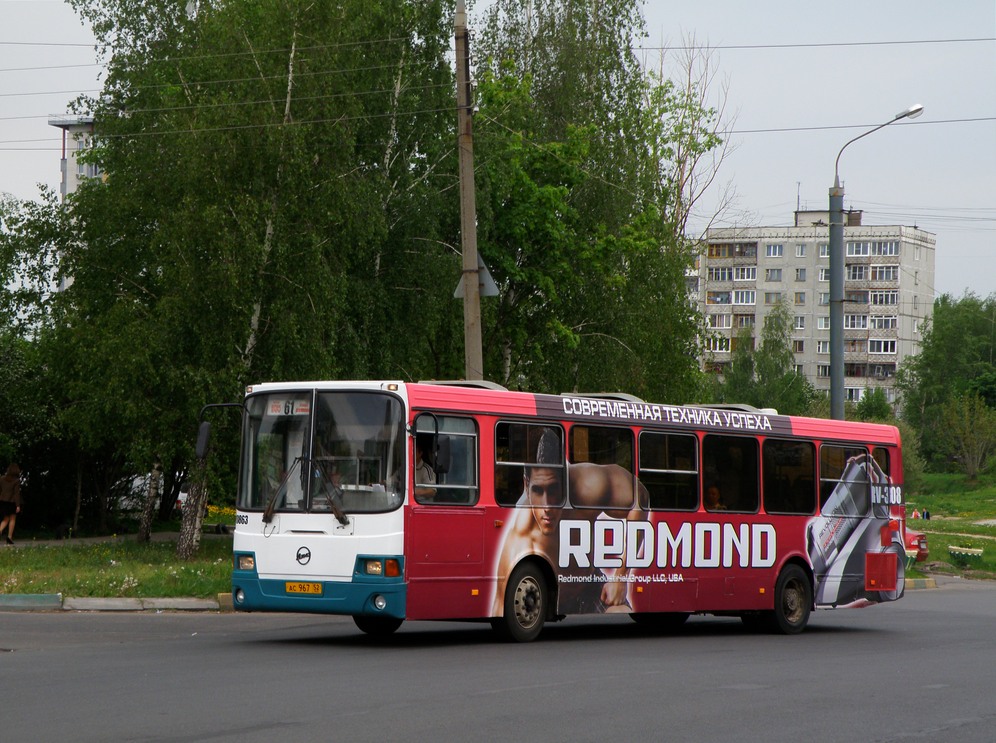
<point>10,500</point>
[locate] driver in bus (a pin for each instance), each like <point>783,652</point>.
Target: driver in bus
<point>595,489</point>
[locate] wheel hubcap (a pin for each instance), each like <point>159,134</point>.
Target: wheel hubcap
<point>528,603</point>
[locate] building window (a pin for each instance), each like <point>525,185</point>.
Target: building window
<point>823,370</point>
<point>720,251</point>
<point>800,251</point>
<point>744,296</point>
<point>824,299</point>
<point>856,322</point>
<point>916,252</point>
<point>745,273</point>
<point>717,297</point>
<point>881,345</point>
<point>717,344</point>
<point>798,346</point>
<point>745,321</point>
<point>885,273</point>
<point>855,272</point>
<point>800,274</point>
<point>884,322</point>
<point>853,394</point>
<point>800,322</point>
<point>824,273</point>
<point>745,250</point>
<point>856,297</point>
<point>772,297</point>
<point>858,249</point>
<point>773,274</point>
<point>885,247</point>
<point>884,298</point>
<point>823,347</point>
<point>916,303</point>
<point>720,321</point>
<point>722,273</point>
<point>824,250</point>
<point>800,297</point>
<point>800,369</point>
<point>774,251</point>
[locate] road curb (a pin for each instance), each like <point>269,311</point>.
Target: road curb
<point>56,602</point>
<point>918,583</point>
<point>30,601</point>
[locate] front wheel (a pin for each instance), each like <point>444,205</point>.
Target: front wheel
<point>377,626</point>
<point>793,601</point>
<point>524,607</point>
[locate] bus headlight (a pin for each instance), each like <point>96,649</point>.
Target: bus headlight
<point>246,562</point>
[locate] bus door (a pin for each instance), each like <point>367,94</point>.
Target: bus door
<point>445,527</point>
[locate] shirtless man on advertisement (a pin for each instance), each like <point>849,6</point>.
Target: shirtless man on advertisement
<point>535,529</point>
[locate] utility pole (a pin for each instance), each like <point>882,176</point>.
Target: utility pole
<point>473,356</point>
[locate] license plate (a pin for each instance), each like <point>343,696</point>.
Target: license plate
<point>309,588</point>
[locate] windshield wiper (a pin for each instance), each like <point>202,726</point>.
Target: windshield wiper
<point>332,492</point>
<point>271,504</point>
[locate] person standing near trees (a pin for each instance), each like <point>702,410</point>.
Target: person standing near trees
<point>10,500</point>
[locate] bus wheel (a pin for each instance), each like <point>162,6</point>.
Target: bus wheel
<point>667,621</point>
<point>377,626</point>
<point>525,605</point>
<point>900,575</point>
<point>793,601</point>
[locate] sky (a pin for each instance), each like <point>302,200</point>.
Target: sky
<point>800,80</point>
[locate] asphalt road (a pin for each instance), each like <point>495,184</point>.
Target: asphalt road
<point>922,669</point>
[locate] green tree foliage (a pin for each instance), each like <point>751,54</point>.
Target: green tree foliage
<point>279,201</point>
<point>957,358</point>
<point>765,377</point>
<point>874,406</point>
<point>970,427</point>
<point>572,128</point>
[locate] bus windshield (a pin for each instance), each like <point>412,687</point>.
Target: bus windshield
<point>332,452</point>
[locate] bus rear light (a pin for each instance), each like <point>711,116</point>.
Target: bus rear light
<point>246,562</point>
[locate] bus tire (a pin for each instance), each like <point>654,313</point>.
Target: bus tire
<point>377,626</point>
<point>525,605</point>
<point>900,576</point>
<point>793,601</point>
<point>665,621</point>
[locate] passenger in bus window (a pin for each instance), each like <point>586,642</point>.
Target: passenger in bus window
<point>595,489</point>
<point>713,498</point>
<point>424,474</point>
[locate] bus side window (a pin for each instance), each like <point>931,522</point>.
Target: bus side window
<point>669,471</point>
<point>518,451</point>
<point>731,463</point>
<point>789,483</point>
<point>452,446</point>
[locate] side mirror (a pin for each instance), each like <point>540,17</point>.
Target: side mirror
<point>203,439</point>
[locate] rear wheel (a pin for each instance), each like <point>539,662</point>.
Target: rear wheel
<point>525,605</point>
<point>377,626</point>
<point>793,601</point>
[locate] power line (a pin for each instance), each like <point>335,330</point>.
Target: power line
<point>816,45</point>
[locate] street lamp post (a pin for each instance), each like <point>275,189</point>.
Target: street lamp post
<point>837,271</point>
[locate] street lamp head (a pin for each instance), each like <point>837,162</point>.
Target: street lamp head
<point>910,113</point>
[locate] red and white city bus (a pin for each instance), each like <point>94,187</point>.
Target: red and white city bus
<point>536,507</point>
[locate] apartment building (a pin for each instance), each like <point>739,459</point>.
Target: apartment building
<point>888,292</point>
<point>77,136</point>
